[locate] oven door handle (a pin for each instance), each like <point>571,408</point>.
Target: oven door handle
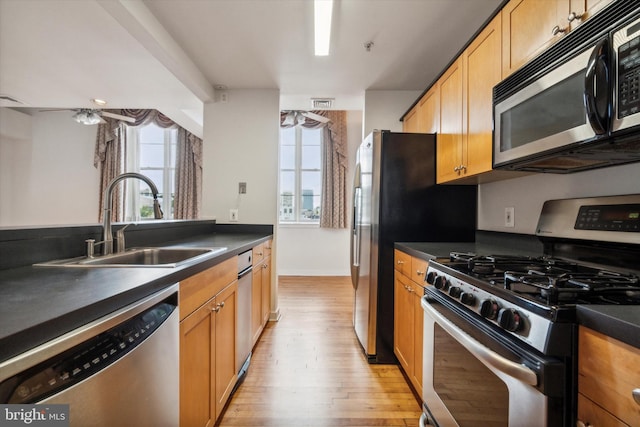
<point>515,370</point>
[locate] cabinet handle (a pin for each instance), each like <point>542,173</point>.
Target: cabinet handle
<point>218,307</point>
<point>259,253</point>
<point>581,423</point>
<point>636,395</point>
<point>419,273</point>
<point>400,262</point>
<point>573,16</point>
<point>264,265</point>
<point>558,30</point>
<point>456,169</point>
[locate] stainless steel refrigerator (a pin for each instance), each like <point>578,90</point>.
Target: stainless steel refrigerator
<point>396,199</point>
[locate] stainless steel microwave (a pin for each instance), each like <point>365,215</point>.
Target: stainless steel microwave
<point>576,106</point>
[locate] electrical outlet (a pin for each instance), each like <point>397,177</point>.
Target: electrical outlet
<point>233,215</point>
<point>509,217</point>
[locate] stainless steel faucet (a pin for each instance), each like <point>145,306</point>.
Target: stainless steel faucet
<point>107,235</point>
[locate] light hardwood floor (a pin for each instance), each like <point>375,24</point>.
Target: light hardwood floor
<point>308,368</point>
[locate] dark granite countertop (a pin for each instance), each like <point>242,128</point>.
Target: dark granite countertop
<point>38,304</point>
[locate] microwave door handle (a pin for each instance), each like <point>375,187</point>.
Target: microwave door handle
<point>514,370</point>
<point>597,87</point>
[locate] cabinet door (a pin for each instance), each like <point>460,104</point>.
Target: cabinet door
<point>410,122</point>
<point>418,270</point>
<point>608,373</point>
<point>266,291</point>
<point>225,371</point>
<point>482,72</point>
<point>256,302</point>
<point>584,9</point>
<point>527,27</point>
<point>403,322</point>
<point>451,136</point>
<point>197,350</point>
<point>429,110</point>
<point>418,329</point>
<point>402,262</point>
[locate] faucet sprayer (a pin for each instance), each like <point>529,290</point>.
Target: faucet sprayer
<point>108,196</point>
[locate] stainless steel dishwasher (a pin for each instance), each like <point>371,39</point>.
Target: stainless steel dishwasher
<point>122,369</point>
<point>244,338</point>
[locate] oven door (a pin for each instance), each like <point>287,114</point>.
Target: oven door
<point>471,378</point>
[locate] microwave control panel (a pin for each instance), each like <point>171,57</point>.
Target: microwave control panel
<point>629,71</point>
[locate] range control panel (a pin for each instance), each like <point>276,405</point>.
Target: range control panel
<point>609,218</point>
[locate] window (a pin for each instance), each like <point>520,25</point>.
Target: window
<point>300,174</point>
<point>151,151</point>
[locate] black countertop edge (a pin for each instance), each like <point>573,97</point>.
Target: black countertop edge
<point>34,300</point>
<point>621,322</point>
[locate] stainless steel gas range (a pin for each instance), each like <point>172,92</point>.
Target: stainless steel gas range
<point>500,330</point>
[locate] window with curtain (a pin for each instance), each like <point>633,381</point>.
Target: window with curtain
<point>300,175</point>
<point>151,151</point>
<point>313,165</point>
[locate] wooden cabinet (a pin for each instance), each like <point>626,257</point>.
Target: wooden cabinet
<point>527,29</point>
<point>260,289</point>
<point>607,375</point>
<point>465,142</point>
<point>408,326</point>
<point>410,122</point>
<point>450,138</point>
<point>424,117</point>
<point>208,313</point>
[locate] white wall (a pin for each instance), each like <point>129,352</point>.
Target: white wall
<point>305,250</point>
<point>241,145</point>
<point>46,170</point>
<point>383,109</point>
<point>527,194</point>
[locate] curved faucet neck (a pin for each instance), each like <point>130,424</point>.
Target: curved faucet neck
<point>108,201</point>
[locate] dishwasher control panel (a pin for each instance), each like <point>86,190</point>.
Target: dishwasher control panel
<point>83,360</point>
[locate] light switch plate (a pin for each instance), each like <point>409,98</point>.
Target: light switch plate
<point>233,215</point>
<point>509,217</point>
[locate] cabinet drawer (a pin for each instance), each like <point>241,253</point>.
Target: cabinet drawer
<point>418,270</point>
<point>197,289</point>
<point>608,373</point>
<point>402,262</point>
<point>258,254</point>
<point>267,248</point>
<point>593,415</point>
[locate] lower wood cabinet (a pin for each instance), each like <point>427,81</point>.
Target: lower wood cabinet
<point>260,289</point>
<point>207,343</point>
<point>607,375</point>
<point>408,315</point>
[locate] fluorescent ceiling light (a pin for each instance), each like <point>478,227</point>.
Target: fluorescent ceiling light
<point>322,19</point>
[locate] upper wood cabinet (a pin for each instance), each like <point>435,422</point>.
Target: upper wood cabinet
<point>466,103</point>
<point>450,138</point>
<point>528,29</point>
<point>429,111</point>
<point>410,122</point>
<point>482,71</point>
<point>530,26</point>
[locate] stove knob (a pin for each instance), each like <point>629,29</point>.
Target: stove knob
<point>440,282</point>
<point>454,291</point>
<point>467,298</point>
<point>489,309</point>
<point>431,276</point>
<point>510,319</point>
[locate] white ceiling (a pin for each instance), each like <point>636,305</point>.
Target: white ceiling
<point>170,54</point>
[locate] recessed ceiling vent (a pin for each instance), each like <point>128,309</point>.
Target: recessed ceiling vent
<point>321,103</point>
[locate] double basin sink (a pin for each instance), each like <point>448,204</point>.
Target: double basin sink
<point>141,257</point>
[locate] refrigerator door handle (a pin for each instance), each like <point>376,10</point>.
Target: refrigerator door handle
<point>355,235</point>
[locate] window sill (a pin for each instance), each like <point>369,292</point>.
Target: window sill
<point>299,225</point>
